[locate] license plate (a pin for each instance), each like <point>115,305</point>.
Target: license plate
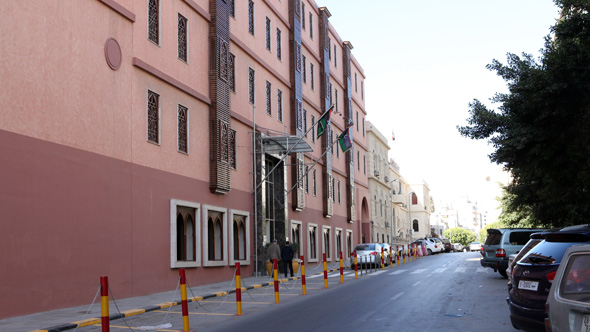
<point>585,324</point>
<point>528,285</point>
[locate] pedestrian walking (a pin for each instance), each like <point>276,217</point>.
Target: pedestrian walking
<point>274,252</point>
<point>287,257</point>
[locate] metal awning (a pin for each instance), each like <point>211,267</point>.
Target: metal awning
<point>282,144</point>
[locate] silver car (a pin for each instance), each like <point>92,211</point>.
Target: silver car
<point>367,254</point>
<point>568,303</point>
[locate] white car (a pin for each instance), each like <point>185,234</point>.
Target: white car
<point>433,246</point>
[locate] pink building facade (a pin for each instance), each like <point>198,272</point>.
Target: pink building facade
<point>127,146</point>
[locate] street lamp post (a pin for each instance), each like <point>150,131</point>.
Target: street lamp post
<point>410,213</point>
<point>393,231</point>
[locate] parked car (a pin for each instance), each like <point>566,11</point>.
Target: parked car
<point>458,247</point>
<point>367,253</point>
<point>568,303</point>
<point>533,274</point>
<point>432,246</point>
<point>536,238</point>
<point>501,243</point>
<point>475,246</point>
<point>447,244</point>
<point>386,253</point>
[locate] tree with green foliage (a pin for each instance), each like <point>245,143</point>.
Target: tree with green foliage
<point>460,235</point>
<point>541,130</point>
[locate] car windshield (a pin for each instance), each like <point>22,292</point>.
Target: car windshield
<point>361,247</point>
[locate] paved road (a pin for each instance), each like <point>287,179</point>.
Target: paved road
<point>444,292</point>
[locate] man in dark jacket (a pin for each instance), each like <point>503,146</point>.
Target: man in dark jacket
<point>287,258</point>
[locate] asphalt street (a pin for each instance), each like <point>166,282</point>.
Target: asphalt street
<point>445,292</point>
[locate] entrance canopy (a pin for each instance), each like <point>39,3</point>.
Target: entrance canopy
<point>282,144</point>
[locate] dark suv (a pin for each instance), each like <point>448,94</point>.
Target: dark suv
<point>501,243</point>
<point>533,274</point>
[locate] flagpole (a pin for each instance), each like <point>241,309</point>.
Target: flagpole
<point>288,152</point>
<point>312,166</point>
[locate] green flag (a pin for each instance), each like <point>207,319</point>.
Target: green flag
<point>323,122</point>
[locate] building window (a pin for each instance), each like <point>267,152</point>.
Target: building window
<point>185,249</point>
<point>313,243</point>
<point>310,25</point>
<point>303,15</point>
<point>232,149</point>
<point>185,233</point>
<point>326,238</point>
<point>314,182</point>
<point>363,90</point>
<point>358,160</point>
<point>251,17</point>
<point>336,99</point>
<point>335,58</point>
<point>182,129</point>
<point>239,234</point>
<point>153,117</point>
<point>279,55</point>
<point>154,21</point>
<point>304,69</point>
<point>182,37</point>
<point>215,238</point>
<point>307,179</point>
<point>232,8</point>
<point>357,121</point>
<point>311,75</point>
<point>268,98</point>
<point>232,72</point>
<point>363,127</point>
<point>305,121</point>
<point>365,165</point>
<point>268,33</point>
<point>251,86</point>
<point>355,85</point>
<point>280,105</point>
<point>339,244</point>
<point>415,225</point>
<point>329,49</point>
<point>348,243</point>
<point>339,201</point>
<point>313,131</point>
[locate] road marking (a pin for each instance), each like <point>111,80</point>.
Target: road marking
<point>397,296</point>
<point>418,271</point>
<point>398,272</point>
<point>440,270</point>
<point>416,284</point>
<point>482,269</point>
<point>376,273</point>
<point>460,269</point>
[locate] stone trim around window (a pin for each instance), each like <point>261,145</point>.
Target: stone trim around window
<point>174,203</point>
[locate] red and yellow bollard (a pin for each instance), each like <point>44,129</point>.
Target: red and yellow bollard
<point>382,259</point>
<point>397,254</point>
<point>303,286</point>
<point>104,303</point>
<point>341,269</point>
<point>238,290</point>
<point>276,279</point>
<point>356,269</point>
<point>325,272</point>
<point>184,301</point>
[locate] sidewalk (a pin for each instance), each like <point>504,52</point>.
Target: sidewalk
<point>66,319</point>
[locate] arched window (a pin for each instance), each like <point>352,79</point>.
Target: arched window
<point>185,235</point>
<point>312,243</point>
<point>239,238</point>
<point>214,239</point>
<point>415,225</point>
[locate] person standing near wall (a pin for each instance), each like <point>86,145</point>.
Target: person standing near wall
<point>287,257</point>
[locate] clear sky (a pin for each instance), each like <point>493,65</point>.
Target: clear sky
<point>425,61</point>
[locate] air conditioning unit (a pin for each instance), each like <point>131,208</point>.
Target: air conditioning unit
<point>377,173</point>
<point>386,178</point>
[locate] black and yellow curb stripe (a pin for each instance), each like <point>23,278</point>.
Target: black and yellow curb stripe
<point>160,306</point>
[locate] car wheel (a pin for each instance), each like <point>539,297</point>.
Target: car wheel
<point>429,252</point>
<point>503,273</point>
